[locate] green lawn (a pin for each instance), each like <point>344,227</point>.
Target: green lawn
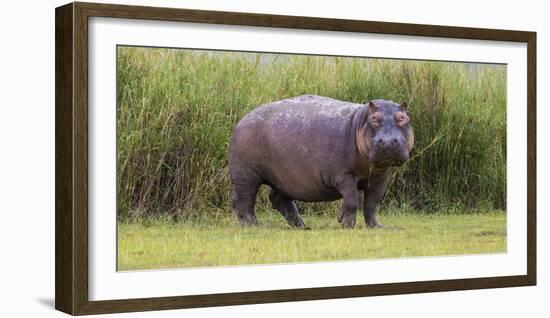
<point>155,244</point>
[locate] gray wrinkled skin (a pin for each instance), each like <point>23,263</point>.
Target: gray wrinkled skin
<point>312,149</point>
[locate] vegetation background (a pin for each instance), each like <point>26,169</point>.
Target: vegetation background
<point>177,109</point>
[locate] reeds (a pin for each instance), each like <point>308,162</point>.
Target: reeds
<point>177,108</point>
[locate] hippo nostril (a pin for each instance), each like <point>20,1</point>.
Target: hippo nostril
<point>381,141</point>
<point>394,141</point>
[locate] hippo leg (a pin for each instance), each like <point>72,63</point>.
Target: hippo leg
<point>372,196</point>
<point>348,189</point>
<point>244,199</point>
<point>287,208</point>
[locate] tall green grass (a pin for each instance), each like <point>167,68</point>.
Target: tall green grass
<point>177,109</point>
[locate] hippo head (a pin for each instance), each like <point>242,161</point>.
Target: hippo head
<point>385,134</point>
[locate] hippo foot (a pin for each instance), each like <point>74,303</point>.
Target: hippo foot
<point>374,224</point>
<point>301,227</point>
<point>340,217</point>
<point>296,222</point>
<point>248,221</point>
<point>347,221</point>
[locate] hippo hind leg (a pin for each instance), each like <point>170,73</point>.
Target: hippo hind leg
<point>287,208</point>
<point>244,199</point>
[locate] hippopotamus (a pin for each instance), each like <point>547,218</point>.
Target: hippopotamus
<point>317,149</point>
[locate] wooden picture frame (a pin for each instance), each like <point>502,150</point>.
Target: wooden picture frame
<point>71,155</point>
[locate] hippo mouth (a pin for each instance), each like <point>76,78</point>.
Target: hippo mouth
<point>385,163</point>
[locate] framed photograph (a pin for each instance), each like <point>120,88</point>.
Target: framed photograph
<point>210,158</point>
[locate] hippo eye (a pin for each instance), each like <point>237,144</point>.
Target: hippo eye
<point>375,122</point>
<point>400,118</point>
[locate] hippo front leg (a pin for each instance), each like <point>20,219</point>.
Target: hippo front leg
<point>348,189</point>
<point>372,196</point>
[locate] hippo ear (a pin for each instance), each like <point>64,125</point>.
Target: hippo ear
<point>404,105</point>
<point>410,140</point>
<point>372,107</point>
